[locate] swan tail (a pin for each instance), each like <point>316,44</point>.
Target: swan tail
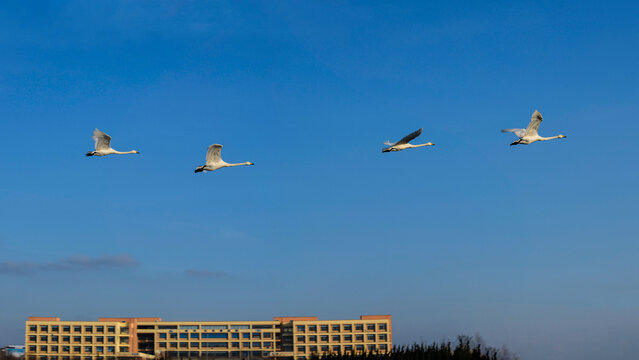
<point>516,142</point>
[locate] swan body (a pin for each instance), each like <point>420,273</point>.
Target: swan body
<point>214,160</point>
<point>103,145</point>
<point>529,135</point>
<point>404,142</point>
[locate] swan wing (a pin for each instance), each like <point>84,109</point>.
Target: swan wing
<point>535,121</point>
<point>388,143</point>
<point>519,132</point>
<point>213,155</point>
<point>102,140</point>
<point>409,137</point>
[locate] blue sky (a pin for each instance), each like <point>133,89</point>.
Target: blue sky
<point>532,246</point>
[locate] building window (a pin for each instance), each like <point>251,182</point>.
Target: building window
<point>335,328</point>
<point>88,329</point>
<point>33,348</point>
<point>124,348</point>
<point>88,349</point>
<point>77,349</point>
<point>382,337</point>
<point>55,328</point>
<point>312,338</point>
<point>370,327</point>
<point>77,339</point>
<point>359,337</point>
<point>33,338</point>
<point>54,338</point>
<point>88,339</point>
<point>184,344</point>
<point>324,338</point>
<point>162,335</point>
<point>382,327</point>
<point>383,347</point>
<point>336,348</point>
<point>162,345</point>
<point>370,337</point>
<point>33,328</point>
<point>43,338</point>
<point>348,348</point>
<point>301,348</point>
<point>267,335</point>
<point>195,335</point>
<point>77,329</point>
<point>235,344</point>
<point>335,337</point>
<point>43,348</point>
<point>312,328</point>
<point>312,349</point>
<point>301,328</point>
<point>359,347</point>
<point>371,347</point>
<point>99,349</point>
<point>110,349</point>
<point>324,328</point>
<point>66,339</point>
<point>66,328</point>
<point>301,338</point>
<point>111,329</point>
<point>246,336</point>
<point>54,349</point>
<point>215,336</point>
<point>324,348</point>
<point>44,328</point>
<point>214,327</point>
<point>262,326</point>
<point>184,336</point>
<point>246,344</point>
<point>173,336</point>
<point>348,338</point>
<point>257,336</point>
<point>65,349</point>
<point>99,339</point>
<point>268,344</point>
<point>124,330</point>
<point>359,327</point>
<point>235,335</point>
<point>173,345</point>
<point>256,345</point>
<point>195,345</point>
<point>240,326</point>
<point>99,329</point>
<point>189,327</point>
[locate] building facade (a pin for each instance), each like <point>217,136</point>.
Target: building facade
<point>286,338</point>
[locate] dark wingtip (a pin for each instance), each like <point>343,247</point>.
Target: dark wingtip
<point>90,153</point>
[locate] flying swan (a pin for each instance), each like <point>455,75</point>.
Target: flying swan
<point>529,135</point>
<point>403,143</point>
<point>214,160</point>
<point>103,145</point>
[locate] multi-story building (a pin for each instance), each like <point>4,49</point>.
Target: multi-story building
<point>286,338</point>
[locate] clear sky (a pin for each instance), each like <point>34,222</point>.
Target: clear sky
<point>531,246</point>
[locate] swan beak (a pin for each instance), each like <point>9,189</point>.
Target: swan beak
<point>563,136</point>
<point>137,152</point>
<point>431,144</point>
<point>250,163</point>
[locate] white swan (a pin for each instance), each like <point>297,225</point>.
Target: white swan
<point>529,135</point>
<point>403,143</point>
<point>103,145</point>
<point>214,160</point>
